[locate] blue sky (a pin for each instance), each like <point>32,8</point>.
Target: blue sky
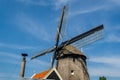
<point>30,26</point>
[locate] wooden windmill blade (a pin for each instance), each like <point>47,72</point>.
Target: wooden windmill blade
<point>60,31</point>
<point>43,53</point>
<point>91,35</point>
<point>60,28</point>
<point>88,39</point>
<point>64,23</point>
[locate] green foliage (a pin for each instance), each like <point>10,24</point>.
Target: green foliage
<point>102,78</point>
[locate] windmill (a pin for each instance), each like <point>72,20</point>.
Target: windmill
<point>71,63</point>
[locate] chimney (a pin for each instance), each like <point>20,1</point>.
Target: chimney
<point>22,72</point>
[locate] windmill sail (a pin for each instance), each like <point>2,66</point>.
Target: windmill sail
<point>64,23</point>
<point>61,29</point>
<point>88,37</point>
<point>43,53</point>
<point>58,35</point>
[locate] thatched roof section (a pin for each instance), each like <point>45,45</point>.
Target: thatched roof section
<point>72,50</point>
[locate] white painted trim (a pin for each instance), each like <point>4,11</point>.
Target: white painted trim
<point>33,75</point>
<point>53,69</point>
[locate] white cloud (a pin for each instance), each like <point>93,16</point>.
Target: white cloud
<point>111,61</point>
<point>14,46</point>
<point>10,55</point>
<point>61,2</point>
<point>112,38</point>
<point>103,5</point>
<point>92,8</point>
<point>36,63</point>
<point>31,26</point>
<point>15,59</point>
<point>111,69</point>
<point>34,2</point>
<point>86,10</point>
<point>115,1</point>
<point>10,58</point>
<point>112,32</point>
<point>36,66</point>
<point>55,3</point>
<point>12,61</point>
<point>6,76</point>
<point>106,71</point>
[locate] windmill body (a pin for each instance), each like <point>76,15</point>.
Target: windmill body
<point>71,64</point>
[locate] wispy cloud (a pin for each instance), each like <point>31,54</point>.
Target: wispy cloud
<point>112,38</point>
<point>10,58</point>
<point>36,63</point>
<point>59,3</point>
<point>9,61</point>
<point>92,8</point>
<point>34,2</point>
<point>15,59</point>
<point>103,6</point>
<point>106,71</point>
<point>36,66</point>
<point>55,3</point>
<point>111,61</point>
<point>29,25</point>
<point>112,34</point>
<point>6,76</point>
<point>111,70</point>
<point>86,11</point>
<point>115,1</point>
<point>10,55</point>
<point>15,46</point>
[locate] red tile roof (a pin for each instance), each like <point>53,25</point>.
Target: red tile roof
<point>41,75</point>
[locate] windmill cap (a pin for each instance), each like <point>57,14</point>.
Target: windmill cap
<point>73,50</point>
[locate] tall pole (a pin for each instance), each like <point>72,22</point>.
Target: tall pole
<point>22,72</point>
